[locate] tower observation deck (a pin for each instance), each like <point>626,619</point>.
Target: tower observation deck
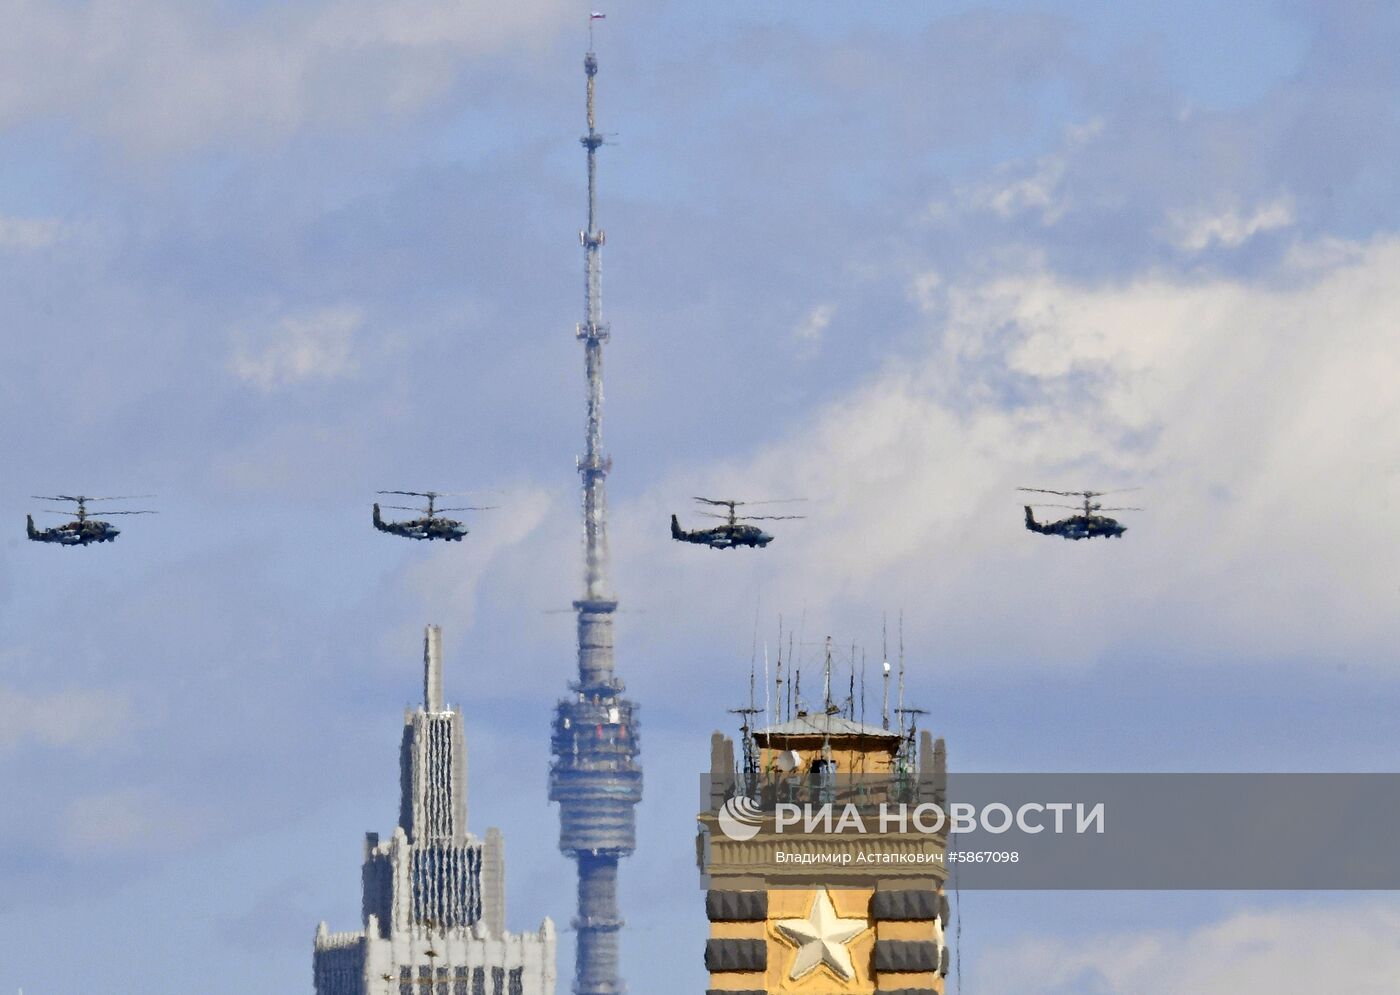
<point>595,776</point>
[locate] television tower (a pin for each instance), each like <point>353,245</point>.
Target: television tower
<point>595,776</point>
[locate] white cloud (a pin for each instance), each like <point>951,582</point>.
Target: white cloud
<point>315,346</point>
<point>1037,191</point>
<point>811,329</point>
<point>1195,231</point>
<point>1354,950</point>
<point>1262,421</point>
<point>28,234</point>
<point>167,75</point>
<point>74,719</point>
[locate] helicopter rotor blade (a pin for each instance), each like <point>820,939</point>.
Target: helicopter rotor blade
<point>436,494</point>
<point>1086,495</point>
<point>472,507</point>
<point>732,504</point>
<point>400,507</point>
<point>1120,509</point>
<point>61,511</point>
<point>768,518</point>
<point>711,514</point>
<point>121,497</point>
<point>1075,507</point>
<point>55,497</point>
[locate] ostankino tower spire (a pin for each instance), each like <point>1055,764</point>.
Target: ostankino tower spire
<point>593,465</point>
<point>595,776</point>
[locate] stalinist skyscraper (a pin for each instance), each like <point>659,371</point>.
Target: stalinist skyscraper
<point>434,894</point>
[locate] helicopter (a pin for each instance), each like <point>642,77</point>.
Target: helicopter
<point>733,532</point>
<point>430,526</point>
<point>1088,524</point>
<point>82,530</point>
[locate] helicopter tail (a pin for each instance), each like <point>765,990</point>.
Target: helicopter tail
<point>29,526</point>
<point>676,531</point>
<point>1031,523</point>
<point>378,522</point>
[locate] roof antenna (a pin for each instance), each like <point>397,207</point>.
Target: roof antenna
<point>851,696</point>
<point>752,668</point>
<point>826,677</point>
<point>767,704</point>
<point>753,652</point>
<point>863,686</point>
<point>750,753</point>
<point>746,729</point>
<point>901,672</point>
<point>792,666</point>
<point>778,688</point>
<point>885,653</point>
<point>802,631</point>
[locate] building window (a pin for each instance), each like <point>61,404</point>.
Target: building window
<point>479,981</point>
<point>498,981</point>
<point>517,981</point>
<point>824,780</point>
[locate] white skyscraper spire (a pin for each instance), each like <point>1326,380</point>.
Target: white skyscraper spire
<point>434,894</point>
<point>432,669</point>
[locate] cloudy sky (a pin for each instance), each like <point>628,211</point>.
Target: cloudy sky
<point>263,259</point>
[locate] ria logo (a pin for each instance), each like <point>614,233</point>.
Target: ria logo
<point>740,819</point>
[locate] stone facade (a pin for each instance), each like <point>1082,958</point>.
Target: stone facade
<point>787,915</point>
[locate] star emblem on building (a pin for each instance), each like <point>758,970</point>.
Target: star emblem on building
<point>822,938</point>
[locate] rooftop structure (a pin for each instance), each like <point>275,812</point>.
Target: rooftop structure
<point>804,909</point>
<point>433,909</point>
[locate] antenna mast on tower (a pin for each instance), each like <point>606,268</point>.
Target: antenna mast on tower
<point>593,466</point>
<point>595,776</point>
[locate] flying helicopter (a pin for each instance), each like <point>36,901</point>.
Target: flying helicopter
<point>1088,524</point>
<point>733,532</point>
<point>431,525</point>
<point>82,530</point>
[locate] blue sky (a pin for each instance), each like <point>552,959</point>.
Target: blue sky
<point>263,259</point>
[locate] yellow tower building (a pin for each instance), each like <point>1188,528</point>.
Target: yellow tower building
<point>818,880</point>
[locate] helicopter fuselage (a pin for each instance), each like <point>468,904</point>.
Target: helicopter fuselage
<point>77,533</point>
<point>1088,526</point>
<point>722,536</point>
<point>422,528</point>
